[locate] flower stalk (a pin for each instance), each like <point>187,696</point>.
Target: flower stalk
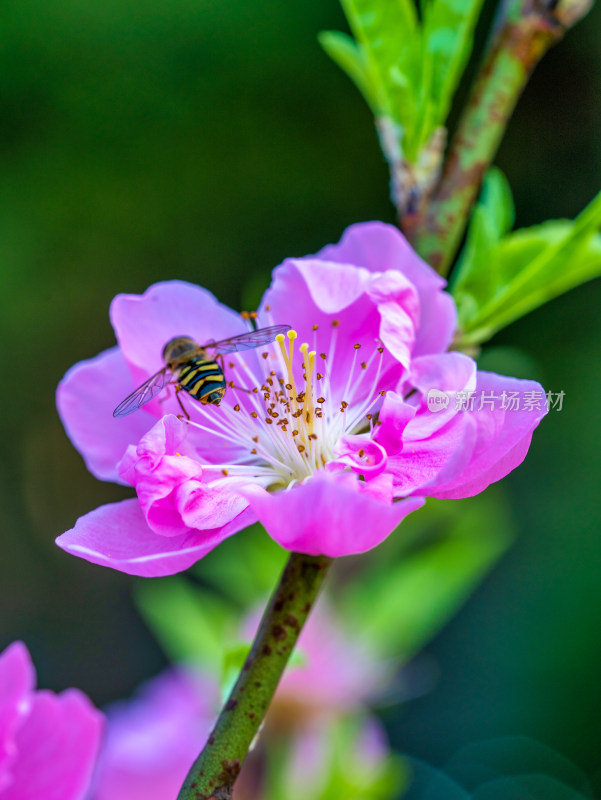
<point>526,30</point>
<point>213,774</point>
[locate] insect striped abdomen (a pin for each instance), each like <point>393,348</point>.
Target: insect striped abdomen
<point>201,378</point>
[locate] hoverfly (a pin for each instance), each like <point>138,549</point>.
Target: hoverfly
<point>194,371</point>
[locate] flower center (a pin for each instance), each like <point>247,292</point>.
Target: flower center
<point>287,424</point>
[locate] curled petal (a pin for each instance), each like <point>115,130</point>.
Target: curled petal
<point>362,454</point>
<point>169,483</point>
<point>117,535</point>
<point>86,397</point>
<point>331,307</point>
<point>379,247</point>
<point>398,305</point>
<point>328,515</point>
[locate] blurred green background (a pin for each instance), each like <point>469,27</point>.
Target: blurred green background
<point>142,141</point>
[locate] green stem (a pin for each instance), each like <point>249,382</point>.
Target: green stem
<point>527,29</point>
<point>214,772</point>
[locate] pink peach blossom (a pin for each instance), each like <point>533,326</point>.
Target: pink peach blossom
<point>48,742</point>
<point>329,445</point>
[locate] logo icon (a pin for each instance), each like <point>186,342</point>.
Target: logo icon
<point>437,400</point>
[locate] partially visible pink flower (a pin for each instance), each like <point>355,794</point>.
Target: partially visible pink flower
<point>329,445</point>
<point>48,742</point>
<point>153,738</point>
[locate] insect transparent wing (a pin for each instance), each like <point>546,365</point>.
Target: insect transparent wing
<point>247,341</point>
<point>144,393</point>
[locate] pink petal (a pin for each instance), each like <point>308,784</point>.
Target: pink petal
<point>117,536</point>
<point>445,453</point>
<point>145,323</point>
<point>398,305</point>
<point>446,373</point>
<point>378,247</point>
<point>57,747</point>
<point>17,682</point>
<point>306,293</point>
<point>502,437</point>
<point>86,398</point>
<point>328,515</point>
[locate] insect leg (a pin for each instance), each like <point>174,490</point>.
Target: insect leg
<point>178,389</point>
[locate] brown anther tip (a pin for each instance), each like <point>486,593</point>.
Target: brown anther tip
<point>224,472</point>
<point>288,386</point>
<point>363,365</point>
<point>357,346</point>
<point>284,428</point>
<point>312,436</point>
<point>361,453</point>
<point>382,392</point>
<point>380,349</point>
<point>322,355</point>
<point>319,376</point>
<point>244,314</point>
<point>268,421</point>
<point>254,414</point>
<point>301,448</point>
<point>368,416</point>
<point>344,404</point>
<point>379,422</point>
<point>272,373</point>
<point>231,365</point>
<point>321,399</point>
<point>267,308</point>
<point>315,327</point>
<point>255,390</point>
<point>295,433</point>
<point>230,384</point>
<point>265,355</point>
<point>335,323</point>
<point>256,439</point>
<point>253,315</point>
<point>236,407</point>
<point>254,451</point>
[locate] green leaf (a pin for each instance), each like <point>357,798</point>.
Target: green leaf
<point>351,59</point>
<point>400,606</point>
<point>449,34</point>
<point>190,623</point>
<point>502,277</point>
<point>407,70</point>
